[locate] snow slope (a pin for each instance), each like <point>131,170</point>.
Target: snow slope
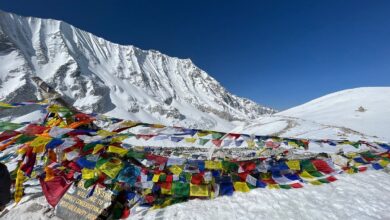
<point>334,116</point>
<point>104,77</point>
<point>342,109</point>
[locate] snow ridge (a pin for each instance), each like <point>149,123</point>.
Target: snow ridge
<point>122,81</point>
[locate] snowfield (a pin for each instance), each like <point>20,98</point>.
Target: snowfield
<point>334,116</point>
<point>342,109</point>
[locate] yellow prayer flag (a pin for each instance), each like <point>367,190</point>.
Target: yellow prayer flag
<point>19,186</point>
<point>39,143</point>
<point>190,140</point>
<point>88,173</point>
<point>117,150</point>
<point>273,186</point>
<point>306,175</point>
<point>241,187</point>
<point>22,150</point>
<point>128,124</point>
<point>383,163</point>
<point>146,191</point>
<point>97,148</point>
<point>293,144</point>
<point>166,203</point>
<point>199,190</point>
<point>293,164</point>
<point>111,168</point>
<point>157,126</point>
<point>156,177</point>
<point>6,105</point>
<point>40,140</point>
<point>53,122</point>
<point>315,182</point>
<point>203,133</point>
<point>213,165</point>
<point>119,138</point>
<point>176,170</point>
<point>166,191</point>
<point>352,154</point>
<point>105,133</point>
<point>350,171</point>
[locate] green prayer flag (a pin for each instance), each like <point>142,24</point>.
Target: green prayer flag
<point>89,183</point>
<point>356,144</point>
<point>308,166</point>
<point>316,174</point>
<point>24,138</point>
<point>324,180</point>
<point>135,154</point>
<point>285,186</point>
<point>180,189</point>
<point>217,135</point>
<point>162,177</point>
<point>230,166</point>
<point>4,126</point>
<point>203,141</point>
<point>89,146</point>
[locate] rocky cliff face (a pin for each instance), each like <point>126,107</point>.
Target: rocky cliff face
<point>96,75</point>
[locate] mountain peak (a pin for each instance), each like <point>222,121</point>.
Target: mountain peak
<point>96,75</point>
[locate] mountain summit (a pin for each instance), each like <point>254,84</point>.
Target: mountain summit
<point>96,75</point>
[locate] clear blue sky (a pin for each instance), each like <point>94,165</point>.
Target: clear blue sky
<point>278,53</point>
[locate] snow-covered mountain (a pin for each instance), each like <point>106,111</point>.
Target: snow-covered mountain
<point>361,113</point>
<point>121,81</point>
<point>127,82</point>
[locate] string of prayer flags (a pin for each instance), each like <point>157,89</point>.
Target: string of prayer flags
<point>70,147</point>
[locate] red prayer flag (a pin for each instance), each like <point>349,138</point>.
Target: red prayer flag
<point>248,166</point>
<point>33,129</point>
<point>322,166</point>
<point>234,136</point>
<point>8,134</point>
<point>331,178</point>
<point>197,179</point>
<point>296,185</point>
<point>243,175</point>
<point>54,189</point>
<point>362,169</point>
<point>217,142</point>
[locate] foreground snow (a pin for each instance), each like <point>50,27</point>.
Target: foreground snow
<point>358,196</point>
